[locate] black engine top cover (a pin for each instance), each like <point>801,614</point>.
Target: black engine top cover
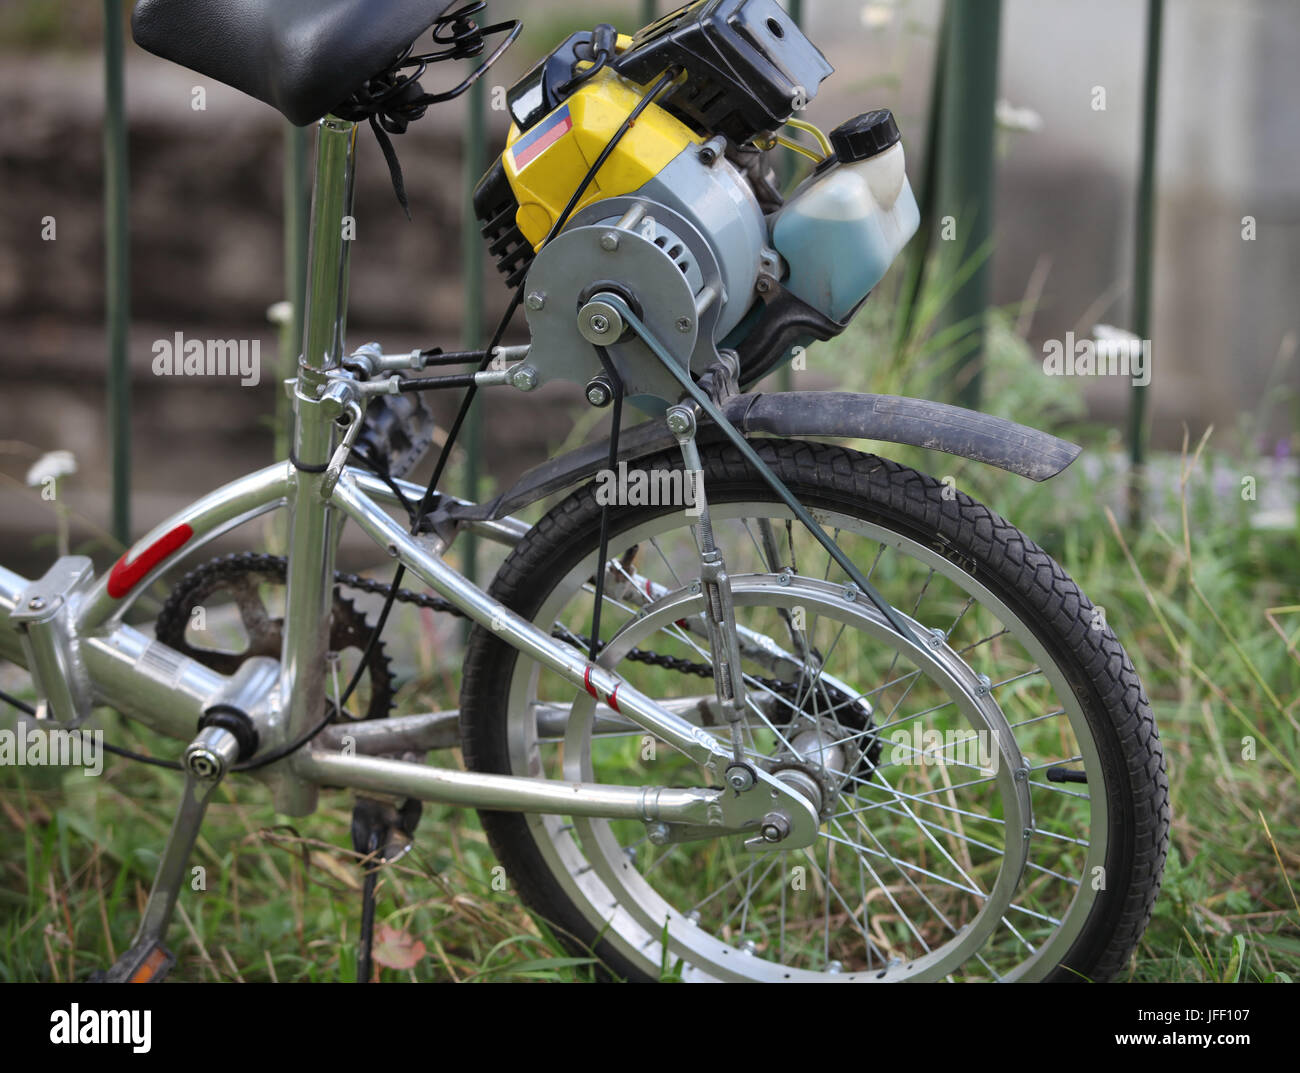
<point>748,66</point>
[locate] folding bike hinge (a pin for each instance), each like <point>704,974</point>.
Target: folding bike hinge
<point>44,617</point>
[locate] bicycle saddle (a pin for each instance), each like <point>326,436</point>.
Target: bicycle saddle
<point>300,56</point>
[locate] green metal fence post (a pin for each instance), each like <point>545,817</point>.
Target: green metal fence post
<point>965,173</point>
<point>1143,253</point>
<point>117,272</point>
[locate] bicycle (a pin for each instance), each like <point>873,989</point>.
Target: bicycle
<point>900,743</point>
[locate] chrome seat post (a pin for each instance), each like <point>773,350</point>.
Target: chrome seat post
<point>314,528</point>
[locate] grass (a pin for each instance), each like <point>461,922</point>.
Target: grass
<point>1203,601</point>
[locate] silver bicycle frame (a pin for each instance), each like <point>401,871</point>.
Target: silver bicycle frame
<point>167,691</point>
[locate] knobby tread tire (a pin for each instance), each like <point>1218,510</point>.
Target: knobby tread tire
<point>877,490</point>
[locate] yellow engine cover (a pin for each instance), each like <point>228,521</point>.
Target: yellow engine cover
<point>545,164</point>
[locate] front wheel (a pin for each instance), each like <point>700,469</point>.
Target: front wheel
<point>993,802</point>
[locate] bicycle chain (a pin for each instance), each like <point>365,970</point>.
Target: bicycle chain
<point>250,561</point>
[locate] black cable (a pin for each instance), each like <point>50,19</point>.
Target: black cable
<point>381,471</point>
<point>437,383</point>
<point>21,705</point>
<point>27,709</point>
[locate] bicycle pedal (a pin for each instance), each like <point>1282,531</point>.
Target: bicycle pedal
<point>148,964</point>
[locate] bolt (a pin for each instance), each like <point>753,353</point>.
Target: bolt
<point>609,241</point>
<point>783,578</point>
<point>36,603</point>
<point>739,778</point>
<point>937,637</point>
<point>685,324</point>
<point>679,421</point>
<point>1022,774</point>
<point>850,594</point>
<point>749,947</point>
<point>776,826</point>
<point>985,684</point>
<point>599,323</point>
<point>657,833</point>
<point>203,763</point>
<point>599,393</point>
<point>695,588</point>
<point>536,300</point>
<point>764,284</point>
<point>524,378</point>
<point>834,966</point>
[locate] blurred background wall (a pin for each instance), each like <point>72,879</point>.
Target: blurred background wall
<point>206,197</point>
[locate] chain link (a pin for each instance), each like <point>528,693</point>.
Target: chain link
<point>232,565</point>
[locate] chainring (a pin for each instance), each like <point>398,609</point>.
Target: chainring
<point>241,577</point>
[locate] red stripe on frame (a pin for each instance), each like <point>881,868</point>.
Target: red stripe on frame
<point>613,699</point>
<point>586,680</point>
<point>126,575</point>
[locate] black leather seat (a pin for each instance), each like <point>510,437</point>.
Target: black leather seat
<point>300,56</point>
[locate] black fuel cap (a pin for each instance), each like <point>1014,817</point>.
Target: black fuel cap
<point>865,135</point>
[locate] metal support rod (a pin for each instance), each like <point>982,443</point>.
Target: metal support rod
<point>965,173</point>
<point>785,378</point>
<point>702,400</point>
<point>117,273</point>
<point>647,12</point>
<point>472,259</point>
<point>1143,253</point>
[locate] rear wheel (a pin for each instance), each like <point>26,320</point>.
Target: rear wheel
<point>994,803</point>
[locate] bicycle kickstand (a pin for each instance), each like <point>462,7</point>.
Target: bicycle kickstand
<point>383,831</point>
<point>207,759</point>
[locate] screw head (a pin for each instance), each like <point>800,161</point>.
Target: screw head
<point>679,422</point>
<point>695,588</point>
<point>657,833</point>
<point>985,684</point>
<point>783,578</point>
<point>685,324</point>
<point>937,637</point>
<point>739,778</point>
<point>609,241</point>
<point>36,603</point>
<point>850,594</point>
<point>203,763</point>
<point>536,300</point>
<point>763,285</point>
<point>599,323</point>
<point>524,378</point>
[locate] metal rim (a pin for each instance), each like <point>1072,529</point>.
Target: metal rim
<point>589,885</point>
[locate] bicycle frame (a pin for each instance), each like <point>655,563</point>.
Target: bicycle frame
<point>169,692</point>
